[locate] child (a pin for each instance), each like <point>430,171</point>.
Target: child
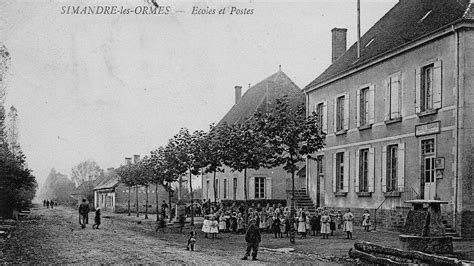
<point>366,221</point>
<point>253,238</point>
<point>302,224</point>
<point>96,219</point>
<point>213,225</point>
<point>282,225</point>
<point>332,222</point>
<point>340,219</point>
<point>276,226</point>
<point>240,223</point>
<point>222,224</point>
<point>348,223</point>
<point>325,227</point>
<point>191,240</point>
<point>314,225</point>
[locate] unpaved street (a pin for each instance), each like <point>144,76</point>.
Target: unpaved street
<point>54,236</point>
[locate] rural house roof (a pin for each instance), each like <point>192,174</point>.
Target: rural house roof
<point>406,22</point>
<point>110,180</point>
<point>262,94</point>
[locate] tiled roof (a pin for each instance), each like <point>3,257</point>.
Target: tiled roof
<point>261,95</point>
<point>406,22</point>
<point>109,183</point>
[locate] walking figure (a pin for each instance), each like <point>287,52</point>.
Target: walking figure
<point>83,213</point>
<point>96,219</point>
<point>253,238</point>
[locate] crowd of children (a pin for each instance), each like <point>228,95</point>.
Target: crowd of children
<point>276,219</point>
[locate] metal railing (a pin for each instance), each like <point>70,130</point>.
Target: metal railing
<point>397,198</point>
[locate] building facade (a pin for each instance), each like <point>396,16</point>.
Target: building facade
<point>265,183</point>
<point>399,117</point>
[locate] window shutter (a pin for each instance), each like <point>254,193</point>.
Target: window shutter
<point>346,111</point>
<point>334,165</point>
<point>251,187</point>
<point>384,169</point>
<point>335,115</point>
<point>268,188</point>
<point>357,168</point>
<point>371,169</point>
<point>358,108</point>
<point>401,167</point>
<point>437,84</point>
<point>417,90</point>
<point>394,97</point>
<point>371,104</point>
<point>346,172</point>
<point>387,100</point>
<point>325,116</point>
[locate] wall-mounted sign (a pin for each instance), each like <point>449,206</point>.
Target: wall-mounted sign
<point>427,129</point>
<point>439,163</point>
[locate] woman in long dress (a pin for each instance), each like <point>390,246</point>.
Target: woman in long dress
<point>302,224</point>
<point>348,223</point>
<point>325,227</point>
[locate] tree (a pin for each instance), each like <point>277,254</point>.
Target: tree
<point>83,175</point>
<point>244,149</point>
<point>291,135</point>
<point>156,162</point>
<point>213,152</point>
<point>144,175</point>
<point>12,130</point>
<point>188,149</point>
<point>126,177</point>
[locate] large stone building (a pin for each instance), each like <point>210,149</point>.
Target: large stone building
<point>398,113</point>
<point>265,183</point>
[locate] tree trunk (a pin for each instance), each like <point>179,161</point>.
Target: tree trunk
<point>129,199</point>
<point>215,190</point>
<point>136,193</point>
<point>169,204</point>
<point>146,202</point>
<point>353,253</point>
<point>292,209</point>
<point>192,198</point>
<point>246,216</point>
<point>157,202</point>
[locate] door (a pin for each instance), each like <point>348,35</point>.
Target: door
<point>428,169</point>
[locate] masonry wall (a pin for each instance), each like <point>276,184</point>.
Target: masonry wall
<point>382,134</point>
<point>275,184</point>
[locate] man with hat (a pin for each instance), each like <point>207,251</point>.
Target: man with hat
<point>253,238</point>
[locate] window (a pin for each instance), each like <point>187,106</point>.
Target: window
<point>393,98</point>
<point>339,171</point>
<point>427,88</point>
<point>235,189</point>
<point>320,165</point>
<point>259,187</point>
<point>225,188</point>
<point>393,168</point>
<point>392,165</point>
<point>364,170</point>
<point>340,113</point>
<point>364,107</point>
<point>320,114</point>
<point>207,189</point>
<point>216,188</point>
<point>319,178</point>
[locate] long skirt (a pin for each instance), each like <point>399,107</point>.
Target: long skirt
<point>206,228</point>
<point>348,226</point>
<point>301,227</point>
<point>214,227</point>
<point>325,228</point>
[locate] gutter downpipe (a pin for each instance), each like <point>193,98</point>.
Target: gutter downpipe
<point>456,155</point>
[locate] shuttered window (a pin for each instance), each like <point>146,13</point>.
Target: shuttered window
<point>259,187</point>
<point>428,87</point>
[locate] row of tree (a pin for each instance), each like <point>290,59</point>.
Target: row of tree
<point>281,135</point>
<point>17,184</point>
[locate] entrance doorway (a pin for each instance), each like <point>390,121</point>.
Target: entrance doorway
<point>428,173</point>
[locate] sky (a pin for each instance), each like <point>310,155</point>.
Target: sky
<point>105,87</point>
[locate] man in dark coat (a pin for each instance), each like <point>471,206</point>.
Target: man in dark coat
<point>83,213</point>
<point>253,238</point>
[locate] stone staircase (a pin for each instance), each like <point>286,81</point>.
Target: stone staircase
<point>450,231</point>
<point>302,200</point>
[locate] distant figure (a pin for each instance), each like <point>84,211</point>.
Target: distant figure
<point>47,204</point>
<point>83,213</point>
<point>96,219</point>
<point>51,203</point>
<point>253,238</point>
<point>348,223</point>
<point>44,203</point>
<point>191,240</point>
<point>164,206</point>
<point>366,221</point>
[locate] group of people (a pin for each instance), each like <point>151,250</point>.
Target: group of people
<point>49,203</point>
<point>84,215</point>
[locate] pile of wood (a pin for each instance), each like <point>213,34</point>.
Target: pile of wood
<point>373,253</point>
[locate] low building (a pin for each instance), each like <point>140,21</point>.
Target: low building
<point>265,183</point>
<point>398,113</point>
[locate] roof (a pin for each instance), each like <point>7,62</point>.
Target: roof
<point>261,94</point>
<point>406,22</point>
<point>110,183</point>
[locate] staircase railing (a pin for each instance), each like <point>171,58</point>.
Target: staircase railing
<point>405,195</point>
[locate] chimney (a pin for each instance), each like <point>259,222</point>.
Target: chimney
<point>238,94</point>
<point>339,43</point>
<point>136,158</point>
<point>128,160</point>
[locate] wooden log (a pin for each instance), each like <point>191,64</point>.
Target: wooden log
<point>354,253</point>
<point>413,255</point>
